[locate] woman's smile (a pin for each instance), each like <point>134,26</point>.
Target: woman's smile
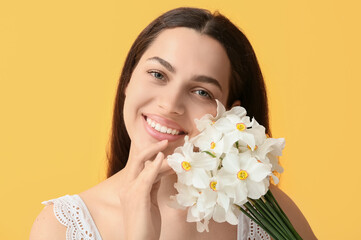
<point>161,128</point>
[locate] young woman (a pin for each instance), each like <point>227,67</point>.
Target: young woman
<point>176,68</point>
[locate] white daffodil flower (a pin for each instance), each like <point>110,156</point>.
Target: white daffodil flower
<point>191,166</point>
<point>267,151</point>
<point>210,141</point>
<point>245,176</point>
<point>236,129</point>
<point>187,195</point>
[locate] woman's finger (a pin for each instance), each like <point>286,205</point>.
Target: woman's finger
<point>165,166</point>
<point>150,172</point>
<point>149,152</point>
<point>136,164</point>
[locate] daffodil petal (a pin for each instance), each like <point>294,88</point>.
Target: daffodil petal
<point>219,214</point>
<point>238,111</point>
<point>220,109</point>
<point>241,192</point>
<point>174,162</point>
<point>193,214</point>
<point>247,138</point>
<point>257,189</point>
<point>200,178</point>
<point>259,171</point>
<point>203,160</point>
<point>210,198</point>
<point>275,179</point>
<point>231,163</point>
<point>223,125</point>
<point>226,178</point>
<point>232,215</point>
<point>185,178</point>
<point>223,200</point>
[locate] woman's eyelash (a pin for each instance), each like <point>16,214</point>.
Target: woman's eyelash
<point>157,75</point>
<point>203,93</point>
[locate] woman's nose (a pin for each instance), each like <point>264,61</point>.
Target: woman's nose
<point>171,101</point>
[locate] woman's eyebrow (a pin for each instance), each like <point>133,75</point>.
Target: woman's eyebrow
<point>206,79</point>
<point>163,62</point>
<point>198,78</point>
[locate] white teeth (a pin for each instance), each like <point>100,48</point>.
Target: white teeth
<point>160,128</point>
<point>163,129</point>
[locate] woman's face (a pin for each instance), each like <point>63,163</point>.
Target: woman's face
<point>176,81</point>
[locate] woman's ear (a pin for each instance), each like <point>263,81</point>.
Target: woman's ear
<point>236,103</point>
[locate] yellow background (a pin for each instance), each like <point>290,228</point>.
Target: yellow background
<point>59,66</point>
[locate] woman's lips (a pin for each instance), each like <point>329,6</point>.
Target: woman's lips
<point>164,122</point>
<point>163,125</point>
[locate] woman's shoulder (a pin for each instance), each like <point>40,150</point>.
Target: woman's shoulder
<point>65,217</point>
<point>292,211</point>
<point>46,226</point>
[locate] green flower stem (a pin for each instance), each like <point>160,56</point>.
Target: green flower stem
<point>279,216</point>
<point>271,199</point>
<point>275,205</point>
<point>268,227</point>
<point>251,217</point>
<point>209,153</point>
<point>261,206</point>
<point>269,196</point>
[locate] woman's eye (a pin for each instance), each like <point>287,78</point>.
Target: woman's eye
<point>203,93</point>
<point>157,75</point>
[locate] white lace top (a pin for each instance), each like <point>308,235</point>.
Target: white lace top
<point>71,211</point>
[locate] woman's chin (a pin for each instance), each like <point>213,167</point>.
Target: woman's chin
<point>170,150</point>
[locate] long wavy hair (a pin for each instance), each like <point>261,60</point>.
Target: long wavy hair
<point>246,82</point>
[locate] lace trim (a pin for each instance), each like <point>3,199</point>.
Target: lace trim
<point>72,212</point>
<point>256,231</point>
<point>249,230</point>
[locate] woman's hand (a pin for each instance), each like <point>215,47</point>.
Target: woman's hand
<point>138,196</point>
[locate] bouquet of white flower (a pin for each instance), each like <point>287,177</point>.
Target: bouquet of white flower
<point>226,170</point>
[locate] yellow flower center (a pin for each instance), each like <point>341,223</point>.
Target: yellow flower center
<point>213,145</point>
<point>241,126</point>
<point>213,122</point>
<point>255,148</point>
<point>186,166</point>
<point>213,185</point>
<point>242,175</point>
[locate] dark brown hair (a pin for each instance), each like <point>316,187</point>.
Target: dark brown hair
<point>246,83</point>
